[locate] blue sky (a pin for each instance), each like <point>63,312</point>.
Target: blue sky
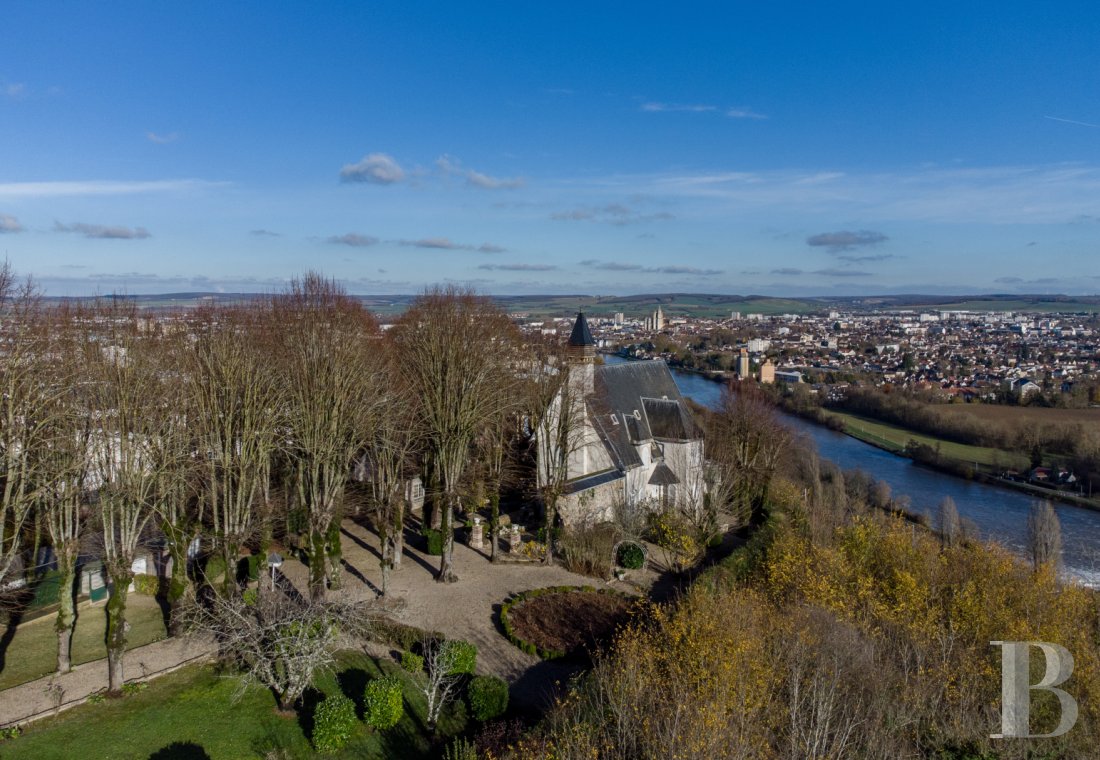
<point>774,148</point>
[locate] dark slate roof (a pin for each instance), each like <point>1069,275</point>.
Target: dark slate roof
<point>663,476</point>
<point>633,390</point>
<point>668,419</point>
<point>581,335</point>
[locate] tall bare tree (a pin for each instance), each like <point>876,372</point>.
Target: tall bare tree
<point>458,360</point>
<point>554,393</point>
<point>133,451</point>
<point>386,465</point>
<point>1044,534</point>
<point>745,441</point>
<point>234,403</point>
<point>27,399</point>
<point>328,363</point>
<point>64,461</point>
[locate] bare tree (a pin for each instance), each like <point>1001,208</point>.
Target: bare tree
<point>948,524</point>
<point>457,359</point>
<point>133,451</point>
<point>330,397</point>
<point>234,404</point>
<point>556,410</point>
<point>64,493</point>
<point>438,680</point>
<point>1044,536</point>
<point>745,440</point>
<point>27,405</point>
<point>386,466</point>
<point>277,640</point>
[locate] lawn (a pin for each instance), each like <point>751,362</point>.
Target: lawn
<point>895,438</point>
<point>193,713</point>
<point>33,650</point>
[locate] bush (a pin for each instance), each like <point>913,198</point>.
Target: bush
<point>383,704</point>
<point>488,697</point>
<point>11,732</point>
<point>149,585</point>
<point>460,749</point>
<point>435,542</point>
<point>48,590</point>
<point>465,656</point>
<point>631,556</point>
<point>248,568</point>
<point>333,723</point>
<point>588,551</point>
<point>412,662</point>
<point>134,687</point>
<point>214,568</point>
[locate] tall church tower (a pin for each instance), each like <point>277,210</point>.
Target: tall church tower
<point>582,355</point>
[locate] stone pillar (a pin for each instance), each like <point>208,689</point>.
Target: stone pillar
<point>477,534</point>
<point>515,539</point>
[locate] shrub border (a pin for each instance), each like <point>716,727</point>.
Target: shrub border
<point>523,596</point>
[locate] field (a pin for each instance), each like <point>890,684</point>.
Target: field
<point>1030,415</point>
<point>32,652</point>
<point>895,438</point>
<point>194,713</point>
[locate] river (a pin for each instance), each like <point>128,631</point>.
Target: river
<point>999,514</point>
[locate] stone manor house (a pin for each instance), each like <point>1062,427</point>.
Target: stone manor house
<point>635,441</point>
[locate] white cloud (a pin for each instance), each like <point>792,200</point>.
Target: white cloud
<point>103,232</point>
<point>9,223</point>
<point>375,168</point>
<point>160,139</point>
<point>15,89</point>
<point>744,113</point>
<point>451,166</point>
<point>103,187</point>
<point>656,107</point>
<point>353,239</point>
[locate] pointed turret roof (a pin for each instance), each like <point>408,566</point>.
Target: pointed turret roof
<point>581,335</point>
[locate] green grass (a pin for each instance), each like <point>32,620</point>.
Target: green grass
<point>895,438</point>
<point>33,650</point>
<point>196,705</point>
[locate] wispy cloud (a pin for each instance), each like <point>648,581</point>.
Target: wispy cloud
<point>744,113</point>
<point>870,257</point>
<point>518,267</point>
<point>102,187</point>
<point>451,166</point>
<point>374,168</point>
<point>841,273</point>
<point>618,266</point>
<point>264,233</point>
<point>1073,121</point>
<point>446,244</point>
<point>844,240</point>
<point>658,107</point>
<point>9,223</point>
<point>615,214</point>
<point>787,271</point>
<point>103,232</point>
<point>160,139</point>
<point>353,239</point>
<point>15,89</point>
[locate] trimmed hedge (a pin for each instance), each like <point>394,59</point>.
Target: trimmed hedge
<point>435,541</point>
<point>465,656</point>
<point>488,697</point>
<point>527,646</point>
<point>631,556</point>
<point>383,703</point>
<point>333,723</point>
<point>412,662</point>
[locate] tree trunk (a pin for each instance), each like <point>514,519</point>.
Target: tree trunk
<point>177,583</point>
<point>446,564</point>
<point>551,510</point>
<point>66,613</point>
<point>333,555</point>
<point>231,552</point>
<point>318,570</point>
<point>494,523</point>
<point>398,532</point>
<point>117,628</point>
